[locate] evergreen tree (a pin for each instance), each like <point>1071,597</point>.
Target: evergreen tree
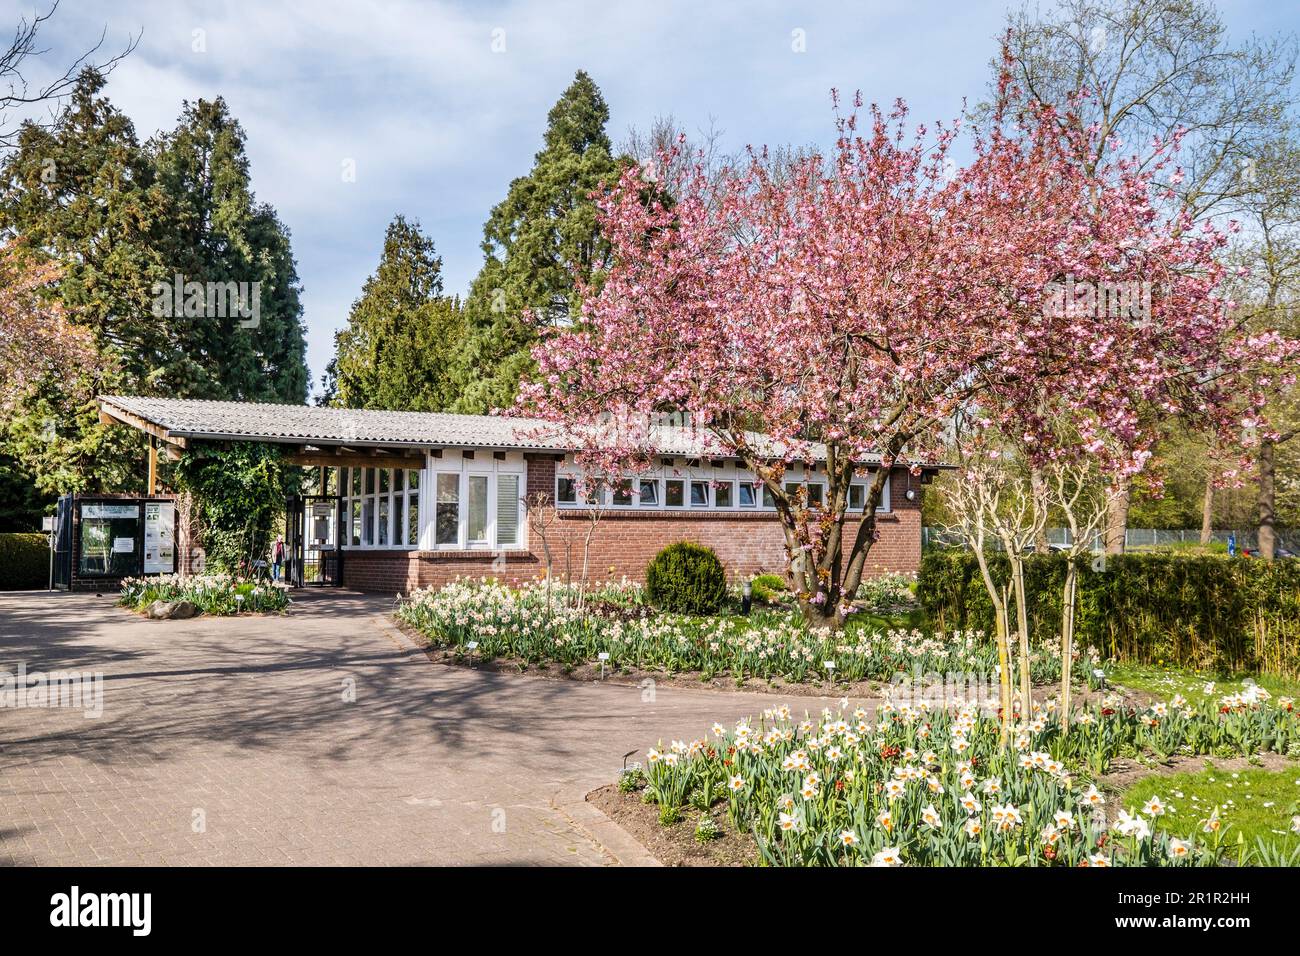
<point>222,236</point>
<point>121,221</point>
<point>394,351</point>
<point>80,192</point>
<point>536,241</point>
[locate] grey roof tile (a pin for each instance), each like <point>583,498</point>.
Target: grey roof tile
<point>317,425</point>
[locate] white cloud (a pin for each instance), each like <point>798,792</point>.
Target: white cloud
<point>439,124</point>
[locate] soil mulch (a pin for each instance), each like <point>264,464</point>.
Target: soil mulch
<point>675,845</point>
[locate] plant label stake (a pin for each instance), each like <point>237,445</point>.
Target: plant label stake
<point>602,657</point>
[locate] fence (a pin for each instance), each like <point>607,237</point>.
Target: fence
<point>1137,538</point>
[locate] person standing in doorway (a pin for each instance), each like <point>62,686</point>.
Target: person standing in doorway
<point>277,558</point>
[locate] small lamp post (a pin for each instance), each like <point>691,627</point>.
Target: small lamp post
<point>746,597</point>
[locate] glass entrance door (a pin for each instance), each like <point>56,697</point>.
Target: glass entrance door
<point>314,541</point>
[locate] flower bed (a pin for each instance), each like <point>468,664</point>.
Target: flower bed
<point>491,621</point>
<point>219,594</point>
<point>923,786</point>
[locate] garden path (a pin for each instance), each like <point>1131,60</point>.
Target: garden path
<point>320,737</point>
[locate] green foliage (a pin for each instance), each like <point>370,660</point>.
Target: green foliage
<point>631,780</point>
<point>21,505</point>
<point>1205,612</point>
<point>536,625</point>
<point>1258,804</point>
<point>686,578</point>
<point>1039,814</point>
<point>537,242</point>
<point>122,219</point>
<point>768,588</point>
<point>239,493</point>
<point>24,562</point>
<point>888,590</point>
<point>216,594</point>
<point>706,830</point>
<point>221,234</point>
<point>393,353</point>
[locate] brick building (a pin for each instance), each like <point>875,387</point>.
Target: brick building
<point>413,499</point>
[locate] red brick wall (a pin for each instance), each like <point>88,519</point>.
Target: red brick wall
<point>624,542</point>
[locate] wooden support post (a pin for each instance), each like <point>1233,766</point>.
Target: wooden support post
<point>153,466</point>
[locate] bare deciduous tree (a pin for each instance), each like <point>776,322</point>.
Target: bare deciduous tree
<point>1156,70</point>
<point>1077,492</point>
<point>19,93</point>
<point>540,514</point>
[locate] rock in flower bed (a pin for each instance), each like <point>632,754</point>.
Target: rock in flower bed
<point>490,620</point>
<point>921,785</point>
<point>219,594</point>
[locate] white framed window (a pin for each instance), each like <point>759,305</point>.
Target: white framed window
<point>674,492</point>
<point>649,494</point>
<point>381,507</point>
<point>477,502</point>
<point>724,494</point>
<point>858,496</point>
<point>701,485</point>
<point>447,509</point>
<point>699,494</point>
<point>620,493</point>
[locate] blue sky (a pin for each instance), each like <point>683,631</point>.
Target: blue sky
<point>437,123</point>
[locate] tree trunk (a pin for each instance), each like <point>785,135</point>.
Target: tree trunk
<point>1267,498</point>
<point>1004,650</point>
<point>1022,633</point>
<point>1207,508</point>
<point>1067,639</point>
<point>1117,520</point>
<point>1039,487</point>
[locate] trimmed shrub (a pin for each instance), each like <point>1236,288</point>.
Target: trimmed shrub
<point>686,578</point>
<point>1203,611</point>
<point>768,588</point>
<point>24,562</point>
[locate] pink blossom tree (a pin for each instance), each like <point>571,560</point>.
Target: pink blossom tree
<point>842,308</point>
<point>36,337</point>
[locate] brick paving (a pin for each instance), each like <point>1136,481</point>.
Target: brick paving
<point>318,738</point>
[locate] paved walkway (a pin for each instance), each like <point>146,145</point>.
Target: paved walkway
<point>321,737</point>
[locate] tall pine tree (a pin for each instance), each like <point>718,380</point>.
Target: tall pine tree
<point>119,220</point>
<point>536,241</point>
<point>222,235</point>
<point>80,192</point>
<point>394,352</point>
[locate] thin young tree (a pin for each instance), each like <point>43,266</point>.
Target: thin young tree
<point>1077,492</point>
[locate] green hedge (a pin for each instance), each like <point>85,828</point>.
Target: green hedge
<point>1207,612</point>
<point>24,562</point>
<point>686,578</point>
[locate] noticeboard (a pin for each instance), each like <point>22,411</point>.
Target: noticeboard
<point>159,537</point>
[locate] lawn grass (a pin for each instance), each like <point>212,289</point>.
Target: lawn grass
<point>1257,804</point>
<point>1167,681</point>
